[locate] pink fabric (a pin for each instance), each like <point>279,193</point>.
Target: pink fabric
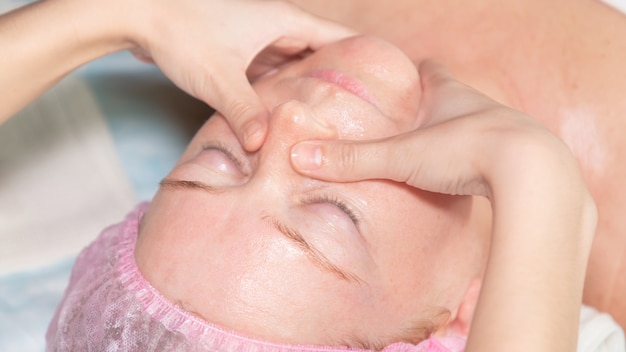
<point>109,306</point>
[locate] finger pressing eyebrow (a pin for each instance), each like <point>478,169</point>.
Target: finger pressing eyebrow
<point>315,254</point>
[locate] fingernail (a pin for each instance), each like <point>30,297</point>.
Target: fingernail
<point>306,156</point>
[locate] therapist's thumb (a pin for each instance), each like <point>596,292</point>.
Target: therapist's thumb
<point>346,161</point>
<point>246,114</point>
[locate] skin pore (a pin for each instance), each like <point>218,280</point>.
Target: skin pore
<point>559,61</point>
<point>243,241</point>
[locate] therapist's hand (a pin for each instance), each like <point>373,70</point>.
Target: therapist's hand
<point>467,144</point>
<point>453,152</point>
<point>210,48</point>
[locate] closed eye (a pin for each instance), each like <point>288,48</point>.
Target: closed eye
<point>330,199</point>
<point>233,160</point>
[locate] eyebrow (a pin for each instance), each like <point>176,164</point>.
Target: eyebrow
<point>318,257</point>
<point>182,184</point>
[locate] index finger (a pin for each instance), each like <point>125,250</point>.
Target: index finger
<point>233,96</point>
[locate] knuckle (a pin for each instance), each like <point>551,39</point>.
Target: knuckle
<point>399,163</point>
<point>239,111</point>
<point>350,158</point>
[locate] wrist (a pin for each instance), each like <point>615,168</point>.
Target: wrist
<point>535,177</point>
<point>99,28</point>
<point>543,225</point>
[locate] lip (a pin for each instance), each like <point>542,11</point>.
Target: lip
<point>346,82</point>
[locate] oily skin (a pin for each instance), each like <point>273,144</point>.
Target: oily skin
<point>215,249</point>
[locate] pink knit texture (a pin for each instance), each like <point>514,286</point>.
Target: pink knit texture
<point>109,306</point>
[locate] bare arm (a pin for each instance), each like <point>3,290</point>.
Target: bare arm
<point>44,41</point>
<point>206,47</point>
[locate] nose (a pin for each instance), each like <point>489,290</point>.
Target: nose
<point>290,123</point>
<point>294,121</point>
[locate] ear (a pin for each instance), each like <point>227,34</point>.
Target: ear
<point>461,323</point>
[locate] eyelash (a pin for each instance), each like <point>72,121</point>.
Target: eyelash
<point>226,151</point>
<point>325,198</point>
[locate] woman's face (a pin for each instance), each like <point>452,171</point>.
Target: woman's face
<point>245,242</point>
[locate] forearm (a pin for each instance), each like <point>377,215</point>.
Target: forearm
<point>544,221</point>
<point>46,40</point>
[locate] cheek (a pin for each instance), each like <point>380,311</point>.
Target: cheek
<point>414,244</point>
<point>273,91</point>
<point>355,119</point>
<point>406,105</point>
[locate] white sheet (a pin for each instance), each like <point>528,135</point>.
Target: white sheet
<point>598,332</point>
<point>60,179</point>
<point>618,4</point>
